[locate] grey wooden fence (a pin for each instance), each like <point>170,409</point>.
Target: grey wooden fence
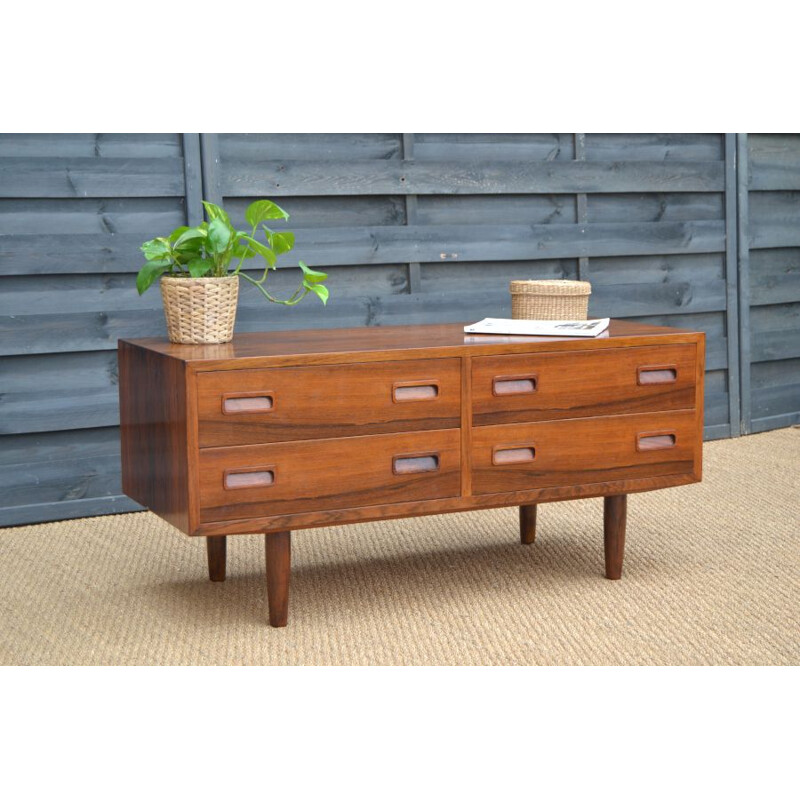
<point>769,269</point>
<point>692,230</point>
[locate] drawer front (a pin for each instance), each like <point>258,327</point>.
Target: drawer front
<point>319,402</point>
<point>511,458</point>
<point>284,478</point>
<point>525,388</point>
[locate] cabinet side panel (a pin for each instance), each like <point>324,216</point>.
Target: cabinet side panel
<point>152,397</point>
<point>700,404</point>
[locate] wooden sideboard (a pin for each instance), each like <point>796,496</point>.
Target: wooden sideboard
<point>274,432</point>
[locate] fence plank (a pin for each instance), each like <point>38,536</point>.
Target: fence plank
<point>775,276</point>
<point>144,216</point>
<point>91,177</point>
<point>286,178</point>
<point>421,243</point>
<point>86,145</point>
<point>58,481</point>
<point>495,146</point>
<point>655,207</point>
<point>774,345</point>
<point>654,147</point>
<point>66,509</point>
<point>326,247</point>
<point>54,392</point>
<point>324,146</point>
<point>60,254</point>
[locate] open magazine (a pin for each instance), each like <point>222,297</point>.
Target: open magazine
<point>538,327</point>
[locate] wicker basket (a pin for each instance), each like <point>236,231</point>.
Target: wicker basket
<point>550,299</point>
<point>200,310</point>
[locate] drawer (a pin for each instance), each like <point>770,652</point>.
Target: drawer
<point>319,402</point>
<point>284,478</point>
<point>526,388</point>
<point>511,458</point>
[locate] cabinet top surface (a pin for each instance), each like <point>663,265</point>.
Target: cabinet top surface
<point>422,340</point>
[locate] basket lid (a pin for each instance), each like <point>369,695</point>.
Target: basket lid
<point>551,287</point>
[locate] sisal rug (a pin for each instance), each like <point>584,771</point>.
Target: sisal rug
<point>712,576</point>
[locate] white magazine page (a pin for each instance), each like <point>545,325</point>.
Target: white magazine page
<point>536,327</point>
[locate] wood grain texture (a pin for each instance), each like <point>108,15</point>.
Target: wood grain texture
<point>90,145</point>
<point>466,426</point>
<point>91,177</point>
<point>527,524</point>
<point>582,384</point>
<point>699,408</point>
<point>654,146</point>
<point>66,467</point>
<point>329,401</point>
<point>216,551</point>
<point>581,451</point>
<point>357,472</point>
<point>506,241</point>
<point>279,178</point>
<point>278,551</point>
<point>328,473</point>
<point>153,433</point>
<point>330,146</point>
<point>615,509</point>
<point>397,342</point>
<point>417,508</point>
<point>312,478</point>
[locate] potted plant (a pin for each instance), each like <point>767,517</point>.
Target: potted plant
<point>199,286</point>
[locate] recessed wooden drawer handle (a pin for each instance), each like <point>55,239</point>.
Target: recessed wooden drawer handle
<point>655,441</point>
<point>249,479</point>
<point>406,465</point>
<point>247,403</point>
<point>414,390</point>
<point>502,454</point>
<point>659,374</point>
<point>514,384</point>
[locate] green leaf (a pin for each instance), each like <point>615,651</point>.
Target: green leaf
<point>215,212</point>
<point>263,209</point>
<point>319,290</point>
<point>177,233</point>
<point>280,242</point>
<point>199,267</point>
<point>261,249</point>
<point>242,251</point>
<point>149,272</point>
<point>193,235</point>
<point>219,235</point>
<point>156,249</point>
<point>311,275</point>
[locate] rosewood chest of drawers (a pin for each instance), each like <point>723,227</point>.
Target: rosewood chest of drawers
<point>275,432</point>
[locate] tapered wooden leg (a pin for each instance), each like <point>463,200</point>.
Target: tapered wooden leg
<point>217,556</point>
<point>527,524</point>
<point>614,514</point>
<point>279,556</point>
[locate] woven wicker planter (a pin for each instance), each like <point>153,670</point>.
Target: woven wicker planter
<point>550,299</point>
<point>200,310</point>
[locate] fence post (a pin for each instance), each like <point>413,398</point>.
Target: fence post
<point>732,283</point>
<point>743,237</point>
